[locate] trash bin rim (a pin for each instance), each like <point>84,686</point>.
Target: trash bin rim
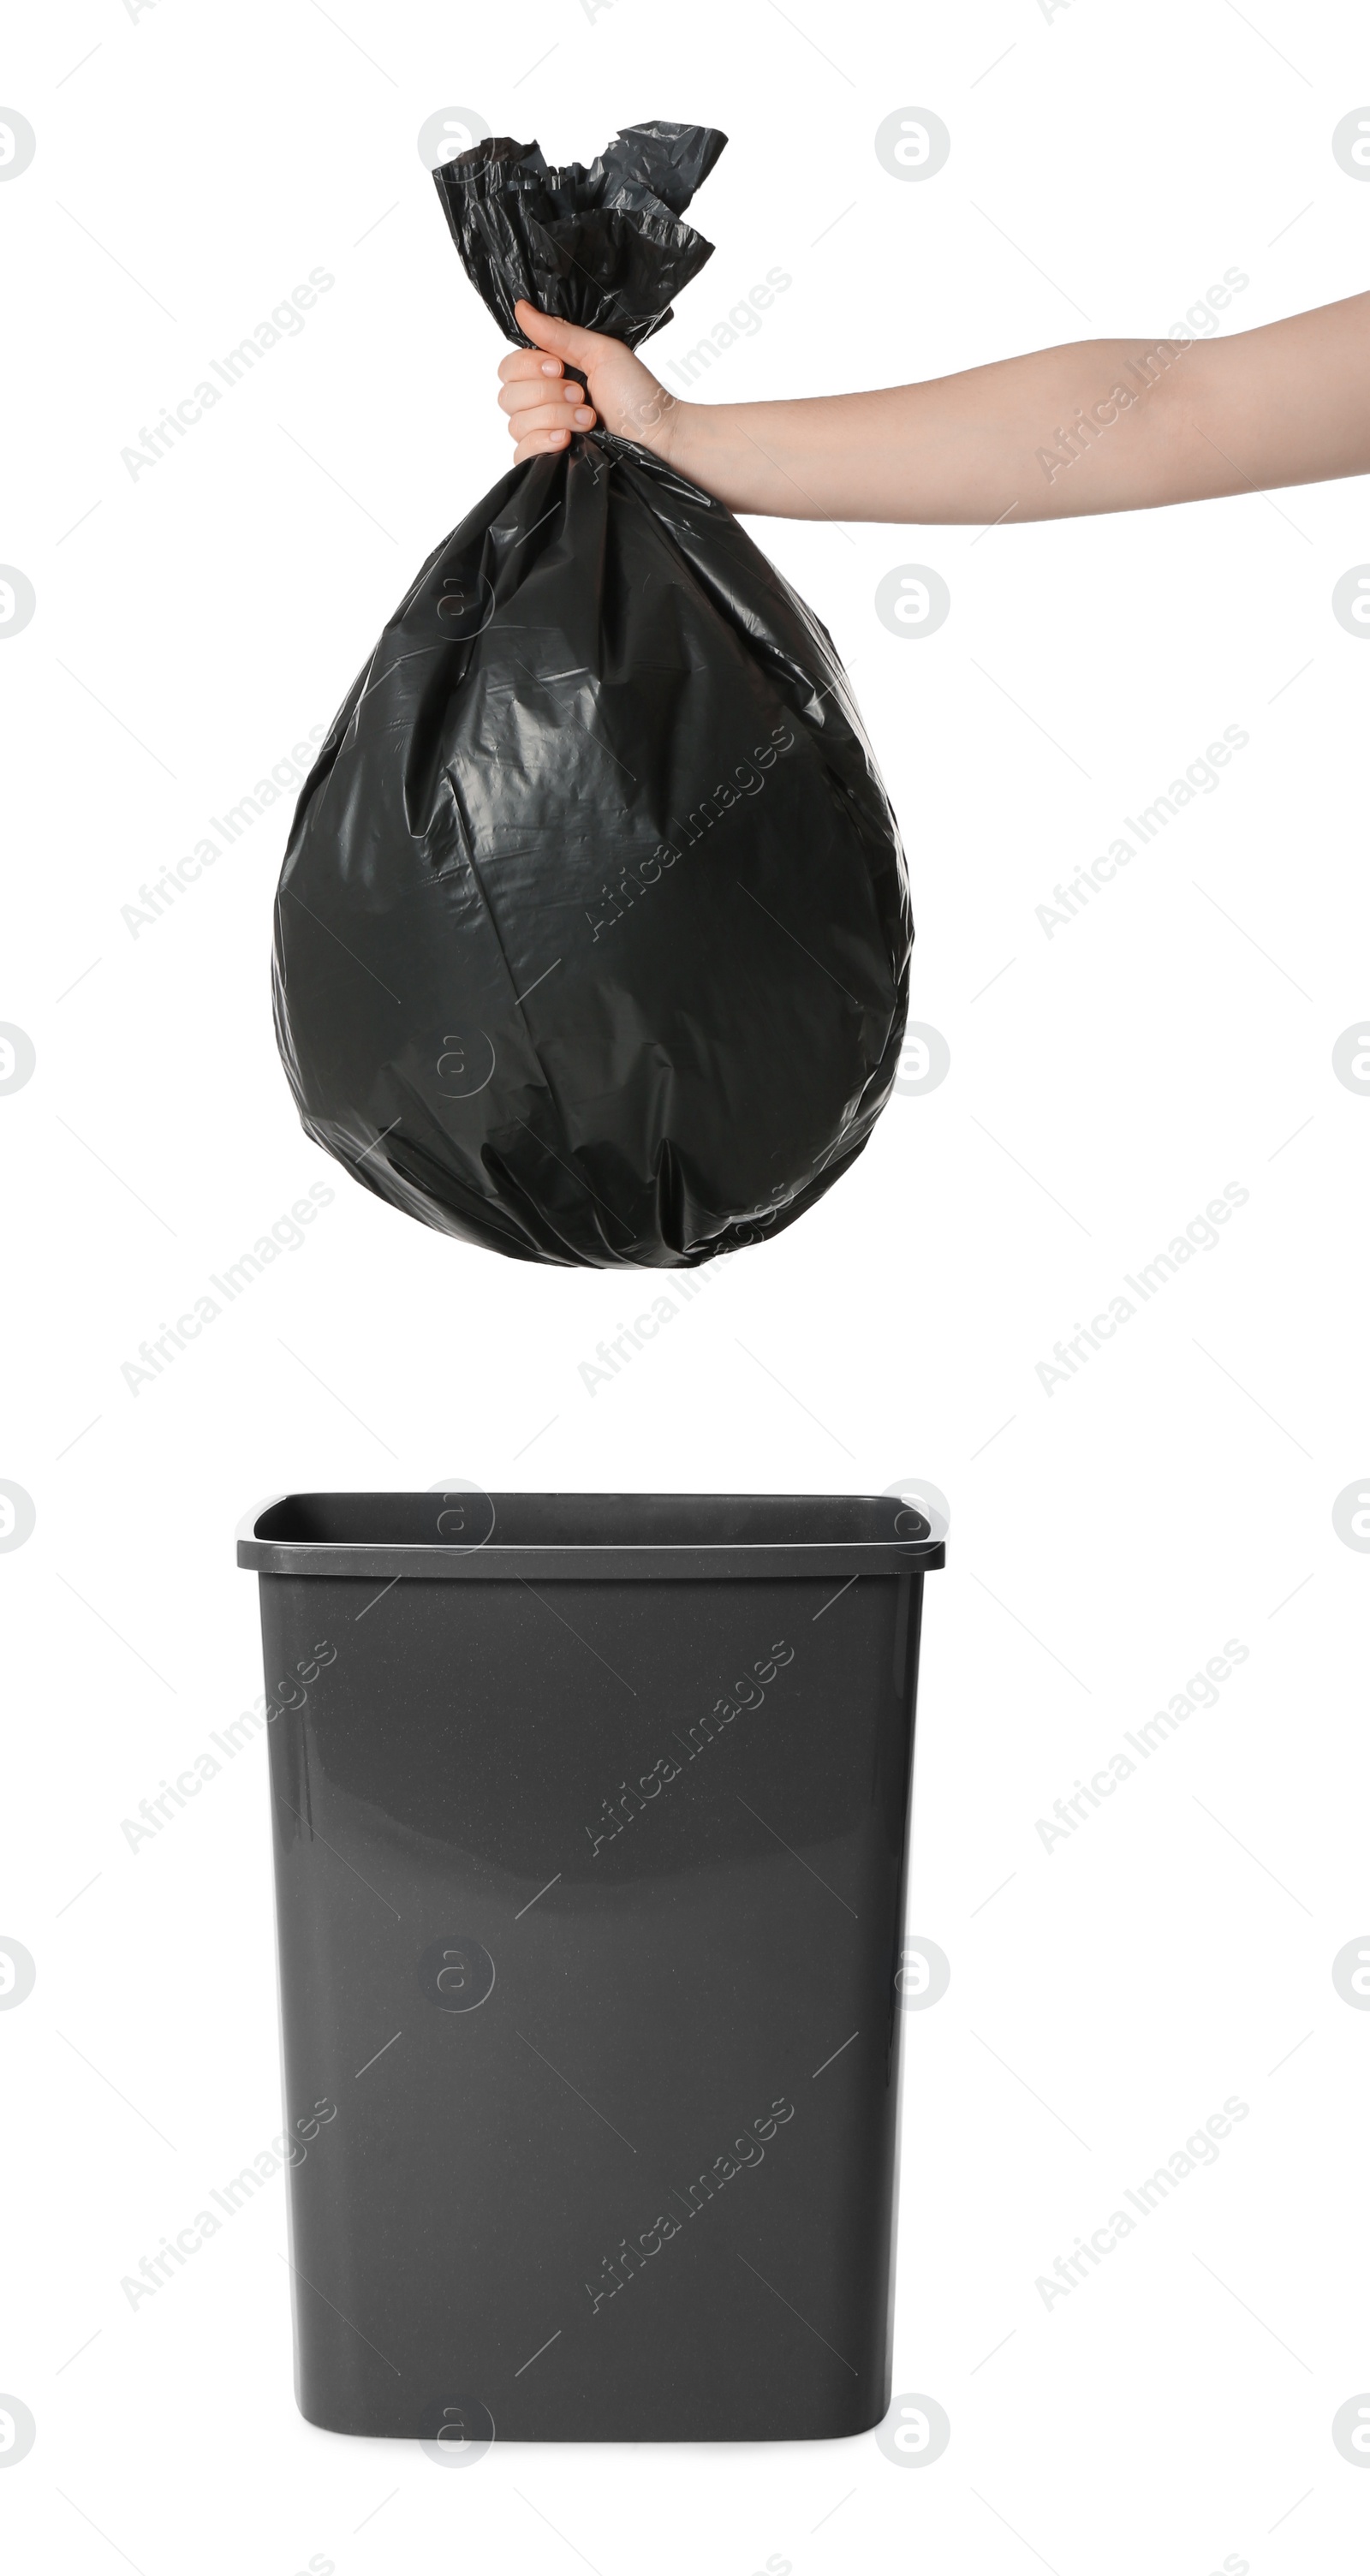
<point>493,1560</point>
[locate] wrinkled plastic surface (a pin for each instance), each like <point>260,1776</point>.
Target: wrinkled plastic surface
<point>590,1818</point>
<point>603,247</point>
<point>592,934</point>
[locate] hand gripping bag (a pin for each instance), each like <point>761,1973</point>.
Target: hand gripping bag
<point>592,934</point>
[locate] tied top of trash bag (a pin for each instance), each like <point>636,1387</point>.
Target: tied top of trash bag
<point>602,247</point>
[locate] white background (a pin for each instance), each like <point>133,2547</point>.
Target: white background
<point>1107,165</point>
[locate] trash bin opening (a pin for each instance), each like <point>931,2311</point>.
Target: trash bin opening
<point>617,1521</point>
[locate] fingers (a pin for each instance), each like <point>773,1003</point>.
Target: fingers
<point>544,442</point>
<point>557,419</point>
<point>537,394</point>
<point>540,433</point>
<point>562,339</point>
<point>544,408</point>
<point>563,415</point>
<point>522,363</point>
<point>543,411</point>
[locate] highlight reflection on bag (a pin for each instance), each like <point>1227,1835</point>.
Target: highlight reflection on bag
<point>592,935</point>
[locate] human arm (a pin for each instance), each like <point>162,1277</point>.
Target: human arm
<point>1095,425</point>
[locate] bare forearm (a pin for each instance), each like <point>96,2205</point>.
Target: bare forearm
<point>1095,426</point>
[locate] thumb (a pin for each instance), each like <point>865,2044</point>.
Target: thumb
<point>561,339</point>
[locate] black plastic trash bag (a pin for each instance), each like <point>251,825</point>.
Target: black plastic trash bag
<point>592,935</point>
